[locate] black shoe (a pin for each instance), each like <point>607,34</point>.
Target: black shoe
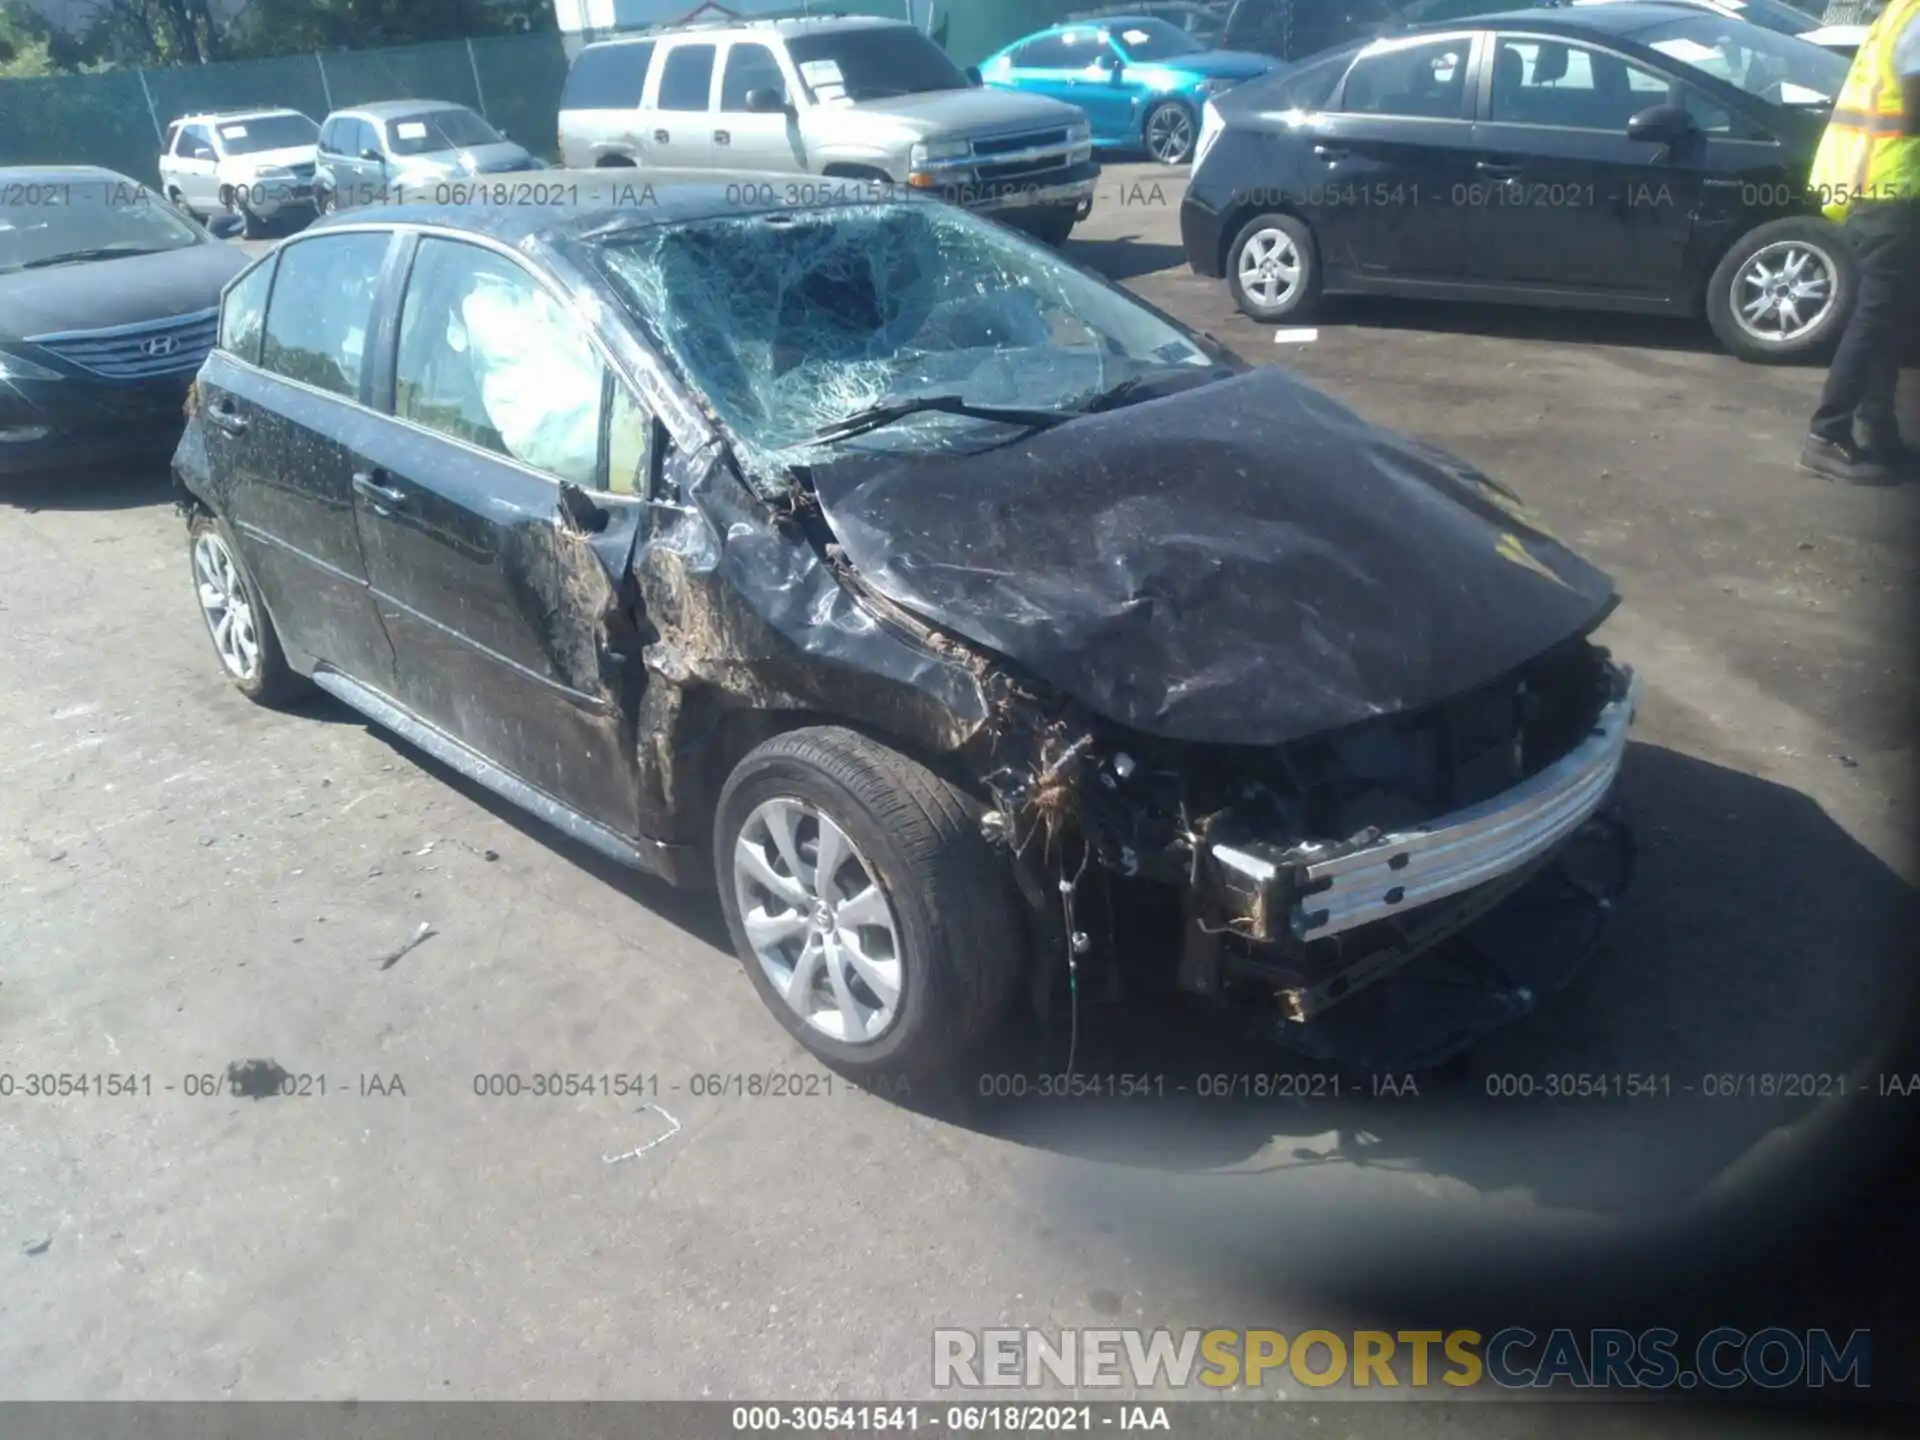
<point>1883,445</point>
<point>1843,461</point>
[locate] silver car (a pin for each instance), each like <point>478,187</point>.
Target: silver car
<point>371,153</point>
<point>256,164</point>
<point>847,98</point>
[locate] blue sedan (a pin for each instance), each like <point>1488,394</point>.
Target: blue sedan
<point>1141,81</point>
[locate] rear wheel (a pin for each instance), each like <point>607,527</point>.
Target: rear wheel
<point>872,917</point>
<point>1783,292</point>
<point>1273,268</point>
<point>237,622</point>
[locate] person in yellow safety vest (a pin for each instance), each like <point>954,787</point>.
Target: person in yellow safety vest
<point>1867,174</point>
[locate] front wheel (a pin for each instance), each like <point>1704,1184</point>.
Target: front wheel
<point>1051,227</point>
<point>1273,267</point>
<point>1168,133</point>
<point>322,200</point>
<point>1783,292</point>
<point>873,918</point>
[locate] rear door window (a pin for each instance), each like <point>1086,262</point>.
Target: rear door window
<point>1049,52</point>
<point>686,82</point>
<point>608,77</point>
<point>322,308</point>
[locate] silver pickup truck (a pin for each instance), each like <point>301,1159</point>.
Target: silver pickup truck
<point>851,98</point>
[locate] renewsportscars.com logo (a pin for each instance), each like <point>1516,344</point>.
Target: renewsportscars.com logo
<point>1515,1358</point>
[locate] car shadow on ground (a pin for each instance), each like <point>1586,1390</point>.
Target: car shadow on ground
<point>121,487</point>
<point>694,912</point>
<point>1759,940</point>
<point>1520,322</point>
<point>1124,257</point>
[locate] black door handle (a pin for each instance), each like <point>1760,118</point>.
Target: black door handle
<point>661,137</point>
<point>1331,152</point>
<point>367,483</point>
<point>1498,172</point>
<point>224,417</point>
<point>721,137</point>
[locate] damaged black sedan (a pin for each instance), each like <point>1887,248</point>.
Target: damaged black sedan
<point>978,630</point>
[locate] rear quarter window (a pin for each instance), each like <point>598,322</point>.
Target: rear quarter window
<point>321,310</point>
<point>610,77</point>
<point>244,310</point>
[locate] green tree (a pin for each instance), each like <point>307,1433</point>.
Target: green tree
<point>24,41</point>
<point>279,27</point>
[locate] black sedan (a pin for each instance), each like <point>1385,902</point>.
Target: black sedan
<point>964,619</point>
<point>107,303</point>
<point>1624,157</point>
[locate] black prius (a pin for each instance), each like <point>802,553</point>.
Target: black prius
<point>1630,157</point>
<point>973,627</point>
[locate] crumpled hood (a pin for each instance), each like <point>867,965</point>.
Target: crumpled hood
<point>1247,562</point>
<point>99,294</point>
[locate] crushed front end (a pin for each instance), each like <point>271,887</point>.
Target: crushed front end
<point>1382,896</point>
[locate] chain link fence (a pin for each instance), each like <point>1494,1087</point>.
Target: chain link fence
<point>116,118</point>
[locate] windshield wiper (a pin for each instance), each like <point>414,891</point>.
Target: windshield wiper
<point>863,421</point>
<point>1131,388</point>
<point>101,252</point>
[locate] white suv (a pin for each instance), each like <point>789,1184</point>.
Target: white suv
<point>257,164</point>
<point>845,98</point>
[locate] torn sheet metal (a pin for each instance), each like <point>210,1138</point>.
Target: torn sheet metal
<point>1247,562</point>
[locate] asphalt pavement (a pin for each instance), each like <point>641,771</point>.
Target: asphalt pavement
<point>189,882</point>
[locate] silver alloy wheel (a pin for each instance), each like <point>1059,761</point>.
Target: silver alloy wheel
<point>225,605</point>
<point>1169,134</point>
<point>821,928</point>
<point>1270,267</point>
<point>1783,291</point>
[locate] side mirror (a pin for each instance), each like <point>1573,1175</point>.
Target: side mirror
<point>766,101</point>
<point>1662,125</point>
<point>974,79</point>
<point>225,226</point>
<point>372,154</point>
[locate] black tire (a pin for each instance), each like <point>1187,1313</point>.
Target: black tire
<point>1297,303</point>
<point>179,202</point>
<point>1829,244</point>
<point>952,896</point>
<point>1178,148</point>
<point>252,227</point>
<point>273,682</point>
<point>322,201</point>
<point>1050,227</point>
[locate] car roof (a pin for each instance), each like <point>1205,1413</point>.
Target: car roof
<point>254,112</point>
<point>788,28</point>
<point>62,174</point>
<point>387,109</point>
<point>599,201</point>
<point>1626,17</point>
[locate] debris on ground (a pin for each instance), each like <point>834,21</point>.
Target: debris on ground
<point>490,855</point>
<point>422,933</point>
<point>37,1247</point>
<point>255,1079</point>
<point>640,1150</point>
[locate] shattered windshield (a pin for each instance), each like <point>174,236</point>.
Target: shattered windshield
<point>792,323</point>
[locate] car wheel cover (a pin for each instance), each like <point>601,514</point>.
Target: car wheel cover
<point>1271,268</point>
<point>818,921</point>
<point>226,607</point>
<point>1169,134</point>
<point>1784,291</point>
